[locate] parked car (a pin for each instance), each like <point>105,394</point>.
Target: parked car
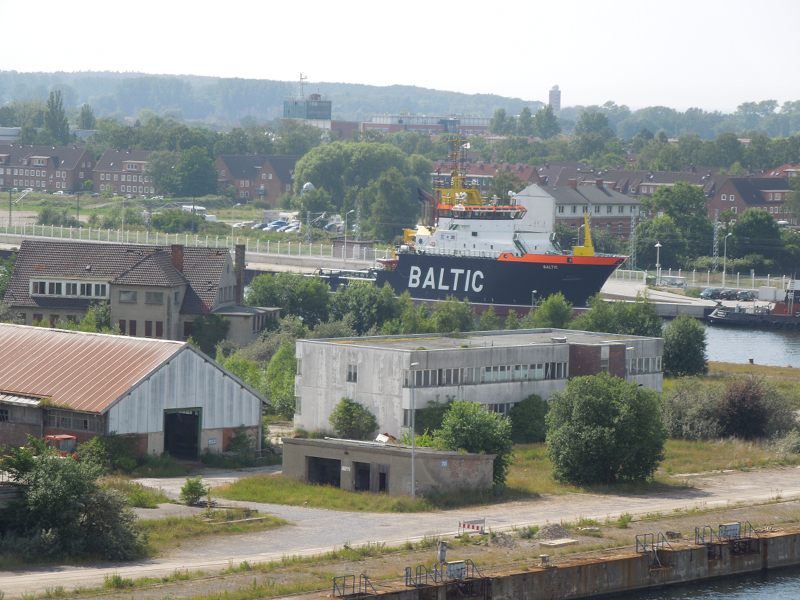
<point>745,295</point>
<point>128,197</point>
<point>275,225</point>
<point>238,225</point>
<point>291,226</point>
<point>258,226</point>
<point>58,193</point>
<point>728,295</point>
<point>334,227</point>
<point>95,195</point>
<point>710,293</point>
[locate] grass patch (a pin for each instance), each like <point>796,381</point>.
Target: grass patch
<point>138,495</point>
<point>159,466</point>
<point>695,457</point>
<point>276,489</point>
<point>527,533</point>
<point>163,534</point>
<point>216,460</point>
<point>624,520</point>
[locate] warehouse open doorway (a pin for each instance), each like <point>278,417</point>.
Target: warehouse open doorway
<point>182,433</point>
<point>324,471</point>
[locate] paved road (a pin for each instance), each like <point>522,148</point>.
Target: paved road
<point>317,530</point>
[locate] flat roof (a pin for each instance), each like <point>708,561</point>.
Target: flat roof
<point>381,447</point>
<point>481,339</point>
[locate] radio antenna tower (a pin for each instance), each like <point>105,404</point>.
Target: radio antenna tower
<point>632,257</point>
<point>302,79</point>
<point>715,254</point>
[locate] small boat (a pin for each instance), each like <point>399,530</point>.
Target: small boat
<point>783,315</point>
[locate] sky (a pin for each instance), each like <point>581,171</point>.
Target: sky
<point>710,54</point>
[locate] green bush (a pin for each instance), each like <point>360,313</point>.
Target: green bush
<point>470,427</point>
<point>691,410</point>
<point>527,533</point>
<point>352,421</point>
<point>602,429</point>
<point>753,408</point>
<point>431,417</point>
<point>194,490</point>
<point>528,425</point>
<point>114,452</point>
<point>685,347</point>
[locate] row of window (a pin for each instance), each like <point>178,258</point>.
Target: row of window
<point>493,374</point>
<point>732,197</point>
<point>597,209</point>
<point>107,177</point>
<point>597,227</point>
<point>63,419</point>
<point>131,297</point>
<point>502,408</point>
<point>35,173</point>
<point>38,184</point>
<point>151,328</point>
<point>68,288</point>
<point>646,364</point>
<point>129,188</point>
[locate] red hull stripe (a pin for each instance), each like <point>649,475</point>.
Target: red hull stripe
<point>561,260</point>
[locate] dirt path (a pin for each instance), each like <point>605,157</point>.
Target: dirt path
<point>318,530</point>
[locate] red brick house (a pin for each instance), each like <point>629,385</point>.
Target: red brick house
<point>265,177</point>
<point>738,194</point>
<point>124,171</point>
<point>45,168</point>
<point>480,174</point>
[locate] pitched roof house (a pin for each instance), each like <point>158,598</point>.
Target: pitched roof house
<point>154,291</point>
<point>124,172</point>
<point>50,168</point>
<point>264,177</point>
<point>761,193</point>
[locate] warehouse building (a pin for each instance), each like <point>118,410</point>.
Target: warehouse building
<point>495,368</point>
<point>166,395</point>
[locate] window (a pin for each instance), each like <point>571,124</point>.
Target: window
<point>54,288</point>
<point>270,175</point>
<point>115,177</point>
<point>597,209</point>
<point>288,187</point>
<point>621,209</point>
<point>125,296</point>
<point>37,317</point>
<point>148,329</point>
<point>159,329</point>
<point>733,198</point>
<point>777,197</point>
<point>574,209</point>
<point>406,417</point>
<point>297,405</point>
<point>100,289</point>
<point>154,297</point>
<point>733,209</point>
<point>122,326</point>
<point>38,287</point>
<point>177,297</point>
<point>770,197</point>
<point>609,209</point>
<point>620,229</point>
<point>80,175</point>
<point>132,328</point>
<point>72,289</point>
<point>86,289</point>
<point>561,210</point>
<point>352,373</point>
<point>4,415</point>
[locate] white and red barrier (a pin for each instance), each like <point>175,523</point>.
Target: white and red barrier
<point>475,525</point>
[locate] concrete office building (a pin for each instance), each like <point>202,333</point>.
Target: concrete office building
<point>376,467</point>
<point>554,99</point>
<point>495,368</point>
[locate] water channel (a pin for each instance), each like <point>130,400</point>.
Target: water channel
<point>777,584</point>
<point>735,345</point>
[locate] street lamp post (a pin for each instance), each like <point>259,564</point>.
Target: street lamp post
<point>725,259</point>
<point>658,261</point>
<point>533,298</point>
<point>232,223</point>
<point>413,444</point>
<point>345,257</point>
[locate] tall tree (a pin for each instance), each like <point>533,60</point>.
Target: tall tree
<point>498,123</point>
<point>86,119</point>
<point>195,173</point>
<point>55,119</point>
<point>546,123</point>
<point>525,122</point>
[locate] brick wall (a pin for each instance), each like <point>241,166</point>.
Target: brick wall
<point>616,360</point>
<point>16,434</point>
<point>584,360</point>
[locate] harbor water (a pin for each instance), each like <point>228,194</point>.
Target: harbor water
<point>765,347</point>
<point>777,584</point>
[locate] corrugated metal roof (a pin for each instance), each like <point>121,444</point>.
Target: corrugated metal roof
<point>19,399</point>
<point>82,371</point>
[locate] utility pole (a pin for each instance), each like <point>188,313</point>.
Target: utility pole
<point>358,221</point>
<point>9,208</point>
<point>78,195</point>
<point>632,257</point>
<point>716,244</point>
<point>308,227</point>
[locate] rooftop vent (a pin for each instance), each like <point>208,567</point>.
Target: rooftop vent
<point>559,340</point>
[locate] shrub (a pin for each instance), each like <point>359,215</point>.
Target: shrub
<point>194,490</point>
<point>789,444</point>
<point>624,520</point>
<point>430,418</point>
<point>470,427</point>
<point>114,452</point>
<point>752,408</point>
<point>352,421</point>
<point>685,347</point>
<point>527,533</point>
<point>602,429</point>
<point>528,420</point>
<point>554,312</point>
<point>691,410</point>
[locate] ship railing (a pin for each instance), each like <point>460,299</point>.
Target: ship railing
<point>433,251</point>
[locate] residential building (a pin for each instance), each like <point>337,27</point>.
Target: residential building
<point>554,98</point>
<point>264,177</point>
<point>45,168</point>
<point>480,173</point>
<point>165,396</point>
<point>607,209</point>
<point>154,291</point>
<point>786,171</point>
<point>738,194</point>
<point>314,107</point>
<point>495,368</point>
<point>123,172</point>
<point>427,125</point>
<point>9,134</point>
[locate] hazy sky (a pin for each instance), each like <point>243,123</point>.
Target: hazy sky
<point>711,54</point>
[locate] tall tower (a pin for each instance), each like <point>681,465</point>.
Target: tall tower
<point>555,98</point>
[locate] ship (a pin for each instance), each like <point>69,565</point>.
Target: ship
<point>782,315</point>
<point>499,251</point>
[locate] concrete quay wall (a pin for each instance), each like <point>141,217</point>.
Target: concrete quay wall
<point>587,578</point>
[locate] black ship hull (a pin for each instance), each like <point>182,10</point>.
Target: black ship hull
<point>730,318</point>
<point>491,281</point>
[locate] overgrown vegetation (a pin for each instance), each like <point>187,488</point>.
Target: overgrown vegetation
<point>350,420</point>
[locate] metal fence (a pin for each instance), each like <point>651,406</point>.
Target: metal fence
<point>694,278</point>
